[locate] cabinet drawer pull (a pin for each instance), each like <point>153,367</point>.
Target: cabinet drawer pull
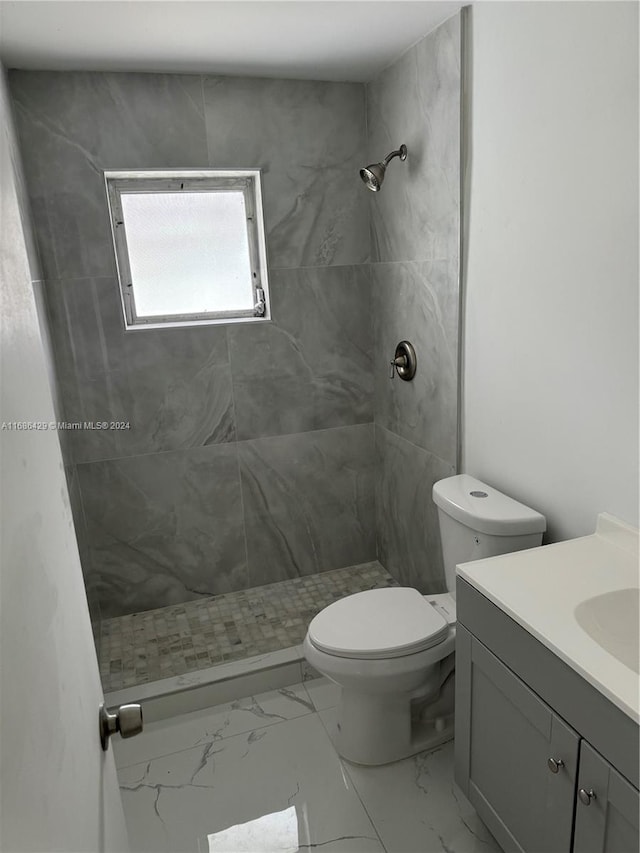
<point>554,764</point>
<point>586,796</point>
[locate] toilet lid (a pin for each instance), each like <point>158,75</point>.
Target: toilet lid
<point>378,624</point>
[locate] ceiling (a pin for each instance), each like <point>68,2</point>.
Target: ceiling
<point>330,40</point>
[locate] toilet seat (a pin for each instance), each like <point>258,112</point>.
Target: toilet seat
<point>378,624</point>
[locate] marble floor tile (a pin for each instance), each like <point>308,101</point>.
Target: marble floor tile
<point>415,805</point>
<point>323,693</point>
<point>261,775</point>
<point>210,725</point>
<point>208,798</point>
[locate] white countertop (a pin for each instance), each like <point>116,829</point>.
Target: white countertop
<point>540,589</point>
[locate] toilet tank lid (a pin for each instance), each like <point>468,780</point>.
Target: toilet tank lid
<point>484,509</point>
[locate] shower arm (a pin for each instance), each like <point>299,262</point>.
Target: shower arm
<point>401,153</point>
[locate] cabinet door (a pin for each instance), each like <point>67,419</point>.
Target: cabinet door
<point>505,737</point>
<point>606,809</point>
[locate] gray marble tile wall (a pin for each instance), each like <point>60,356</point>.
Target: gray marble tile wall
<point>252,454</point>
<point>251,449</point>
<point>309,501</point>
<point>415,291</point>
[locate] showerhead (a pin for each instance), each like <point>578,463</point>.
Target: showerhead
<point>373,175</point>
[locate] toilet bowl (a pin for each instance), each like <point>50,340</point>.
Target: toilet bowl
<point>391,650</point>
<point>385,648</point>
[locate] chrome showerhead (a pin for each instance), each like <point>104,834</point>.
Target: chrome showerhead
<point>373,175</point>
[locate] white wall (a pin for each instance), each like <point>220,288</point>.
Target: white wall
<point>58,789</point>
<point>551,343</point>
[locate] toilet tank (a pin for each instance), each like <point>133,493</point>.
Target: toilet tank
<point>477,521</point>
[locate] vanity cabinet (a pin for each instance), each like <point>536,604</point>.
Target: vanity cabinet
<point>510,738</point>
<point>521,756</point>
<point>608,822</point>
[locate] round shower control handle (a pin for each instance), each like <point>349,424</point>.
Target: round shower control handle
<point>586,796</point>
<point>554,764</point>
<point>127,720</point>
<point>404,361</point>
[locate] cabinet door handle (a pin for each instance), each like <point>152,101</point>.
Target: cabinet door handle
<point>554,764</point>
<point>586,796</point>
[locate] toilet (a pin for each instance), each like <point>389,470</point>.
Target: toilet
<point>391,650</point>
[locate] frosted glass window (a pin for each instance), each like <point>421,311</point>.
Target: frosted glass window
<point>188,252</point>
<point>190,248</point>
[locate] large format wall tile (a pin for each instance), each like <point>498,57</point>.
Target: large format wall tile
<point>73,125</point>
<point>87,328</point>
<point>406,517</point>
<point>308,137</point>
<point>172,385</point>
<point>77,511</point>
<point>164,528</point>
<point>147,411</point>
<point>418,302</point>
<point>309,502</point>
<point>415,246</point>
<point>417,102</point>
<point>311,368</point>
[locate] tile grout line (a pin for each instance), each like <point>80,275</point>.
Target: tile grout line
<point>221,444</point>
<point>417,446</point>
<point>113,276</point>
<point>204,119</point>
<point>206,741</point>
<point>237,451</point>
<point>345,769</point>
<point>366,810</point>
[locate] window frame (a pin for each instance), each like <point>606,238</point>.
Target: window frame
<point>248,181</point>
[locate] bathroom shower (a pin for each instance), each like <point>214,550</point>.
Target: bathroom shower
<point>242,501</point>
<point>373,175</point>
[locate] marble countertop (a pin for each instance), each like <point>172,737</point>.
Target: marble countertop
<point>541,588</point>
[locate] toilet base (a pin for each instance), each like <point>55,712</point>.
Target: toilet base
<point>382,731</point>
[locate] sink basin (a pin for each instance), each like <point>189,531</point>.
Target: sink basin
<point>612,620</point>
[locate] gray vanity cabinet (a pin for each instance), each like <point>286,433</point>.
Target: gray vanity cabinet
<point>608,821</point>
<point>550,764</point>
<point>516,760</point>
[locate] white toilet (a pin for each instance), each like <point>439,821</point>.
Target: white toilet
<point>391,650</point>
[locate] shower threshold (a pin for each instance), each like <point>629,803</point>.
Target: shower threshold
<point>215,639</point>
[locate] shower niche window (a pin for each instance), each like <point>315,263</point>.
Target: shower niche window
<point>190,247</point>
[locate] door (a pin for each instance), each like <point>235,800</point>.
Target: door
<point>515,759</point>
<point>58,789</point>
<point>606,808</point>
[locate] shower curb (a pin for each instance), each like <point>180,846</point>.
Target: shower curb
<point>216,685</point>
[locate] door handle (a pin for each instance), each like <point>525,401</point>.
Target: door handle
<point>127,720</point>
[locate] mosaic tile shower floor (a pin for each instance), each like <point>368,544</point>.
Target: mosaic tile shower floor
<point>181,638</point>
